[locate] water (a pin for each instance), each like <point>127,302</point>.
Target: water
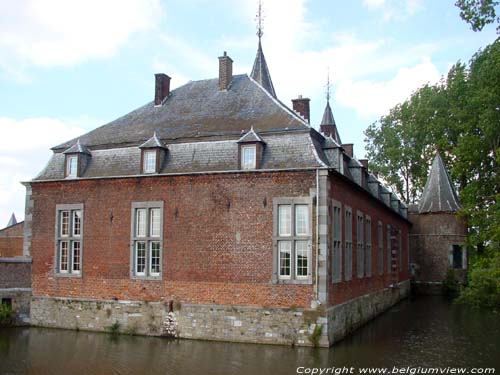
<point>426,332</point>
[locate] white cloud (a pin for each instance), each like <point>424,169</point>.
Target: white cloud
<point>395,9</point>
<point>374,98</point>
<point>61,33</point>
<point>24,151</point>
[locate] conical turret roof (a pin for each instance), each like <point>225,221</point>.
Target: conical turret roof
<point>439,194</point>
<point>12,221</point>
<point>260,72</point>
<point>328,120</point>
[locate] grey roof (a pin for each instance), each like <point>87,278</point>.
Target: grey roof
<point>250,136</point>
<point>286,150</point>
<point>12,221</point>
<point>260,71</point>
<point>439,194</point>
<point>330,121</point>
<point>77,148</point>
<point>197,110</point>
<point>153,142</point>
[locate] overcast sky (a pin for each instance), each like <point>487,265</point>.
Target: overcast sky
<point>68,66</point>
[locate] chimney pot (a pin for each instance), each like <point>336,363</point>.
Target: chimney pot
<point>225,71</point>
<point>162,87</point>
<point>301,105</point>
<point>349,149</point>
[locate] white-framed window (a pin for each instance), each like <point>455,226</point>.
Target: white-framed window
<point>368,246</point>
<point>380,248</point>
<point>292,239</point>
<point>360,259</point>
<point>69,237</point>
<point>72,166</point>
<point>249,157</point>
<point>337,242</point>
<point>348,243</point>
<point>147,239</point>
<point>149,161</point>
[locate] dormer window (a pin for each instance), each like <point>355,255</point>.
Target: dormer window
<point>150,161</point>
<point>72,166</point>
<point>248,157</point>
<point>250,148</point>
<point>152,154</point>
<point>77,159</point>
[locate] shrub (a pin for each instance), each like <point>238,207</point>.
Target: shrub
<point>5,313</point>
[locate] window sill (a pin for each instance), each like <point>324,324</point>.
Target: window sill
<point>68,275</point>
<point>307,281</point>
<point>147,278</point>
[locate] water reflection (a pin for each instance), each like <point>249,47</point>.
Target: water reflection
<point>423,332</point>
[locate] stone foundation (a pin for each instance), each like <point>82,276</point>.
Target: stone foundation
<point>206,322</point>
<point>216,322</point>
<point>349,316</point>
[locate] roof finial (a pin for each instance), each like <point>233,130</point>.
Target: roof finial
<point>260,20</point>
<point>328,87</point>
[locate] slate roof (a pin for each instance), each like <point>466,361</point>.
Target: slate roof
<point>197,110</point>
<point>329,120</point>
<point>439,194</point>
<point>153,142</point>
<point>260,71</point>
<point>250,136</point>
<point>77,148</point>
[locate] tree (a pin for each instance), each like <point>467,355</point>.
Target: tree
<point>460,116</point>
<point>478,13</point>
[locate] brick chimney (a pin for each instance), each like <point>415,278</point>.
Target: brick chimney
<point>348,148</point>
<point>162,87</point>
<point>364,162</point>
<point>301,105</point>
<point>225,71</point>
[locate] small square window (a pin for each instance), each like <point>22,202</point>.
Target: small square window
<point>149,162</point>
<point>72,166</point>
<point>248,157</point>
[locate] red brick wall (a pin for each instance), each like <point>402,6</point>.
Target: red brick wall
<point>343,192</point>
<point>11,241</point>
<point>203,260</point>
<point>15,274</point>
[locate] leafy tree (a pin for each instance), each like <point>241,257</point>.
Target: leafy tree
<point>460,116</point>
<point>478,13</point>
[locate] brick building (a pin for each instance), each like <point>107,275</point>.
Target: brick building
<point>438,233</point>
<point>220,203</point>
<point>11,239</point>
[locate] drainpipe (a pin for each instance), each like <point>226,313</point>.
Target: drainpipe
<point>317,238</point>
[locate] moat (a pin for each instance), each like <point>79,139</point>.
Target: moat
<point>426,332</point>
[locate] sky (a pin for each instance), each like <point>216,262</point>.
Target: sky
<point>67,67</point>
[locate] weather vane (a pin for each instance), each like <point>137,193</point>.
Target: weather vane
<point>260,19</point>
<point>328,87</point>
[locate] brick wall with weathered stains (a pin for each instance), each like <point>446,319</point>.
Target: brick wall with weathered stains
<point>432,238</point>
<point>358,200</point>
<point>11,241</point>
<point>217,246</point>
<point>15,273</point>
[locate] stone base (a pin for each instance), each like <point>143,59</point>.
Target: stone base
<point>206,322</point>
<point>20,299</point>
<point>294,326</point>
<point>349,316</point>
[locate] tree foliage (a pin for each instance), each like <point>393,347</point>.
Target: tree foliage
<point>479,13</point>
<point>460,116</point>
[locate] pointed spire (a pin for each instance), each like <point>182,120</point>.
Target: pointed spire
<point>260,71</point>
<point>12,221</point>
<point>328,125</point>
<point>439,194</point>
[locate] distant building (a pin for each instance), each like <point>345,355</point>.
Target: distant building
<point>11,238</point>
<point>438,234</point>
<point>222,204</point>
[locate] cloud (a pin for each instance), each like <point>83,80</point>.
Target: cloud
<point>374,98</point>
<point>24,151</point>
<point>395,9</point>
<point>52,33</point>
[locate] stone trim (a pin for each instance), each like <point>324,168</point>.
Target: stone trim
<point>16,260</point>
<point>69,207</point>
